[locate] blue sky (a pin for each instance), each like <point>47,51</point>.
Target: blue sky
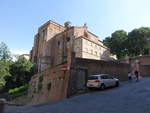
<point>20,19</point>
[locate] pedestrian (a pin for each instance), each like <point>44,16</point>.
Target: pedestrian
<point>129,76</point>
<point>136,75</point>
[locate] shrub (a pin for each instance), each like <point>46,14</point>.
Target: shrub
<point>34,90</point>
<point>41,78</point>
<point>20,91</point>
<point>49,86</point>
<point>40,86</point>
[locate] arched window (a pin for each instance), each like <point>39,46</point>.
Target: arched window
<point>58,43</point>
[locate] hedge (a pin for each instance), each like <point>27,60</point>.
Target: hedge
<point>20,91</point>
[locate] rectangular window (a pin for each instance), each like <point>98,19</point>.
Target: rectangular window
<point>44,34</point>
<point>58,43</point>
<point>93,78</point>
<point>96,53</point>
<point>91,51</point>
<point>68,39</point>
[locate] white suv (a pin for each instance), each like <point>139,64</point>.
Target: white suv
<point>102,81</point>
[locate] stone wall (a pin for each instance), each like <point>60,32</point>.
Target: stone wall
<point>144,60</point>
<point>118,70</point>
<point>144,70</point>
<point>82,68</point>
<point>49,85</point>
<point>23,100</point>
<point>53,84</point>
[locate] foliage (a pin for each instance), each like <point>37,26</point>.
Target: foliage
<point>14,73</point>
<point>40,85</point>
<point>20,91</point>
<point>5,61</point>
<point>34,91</point>
<point>41,78</point>
<point>4,51</point>
<point>139,41</point>
<point>49,86</point>
<point>116,43</point>
<point>136,42</point>
<point>21,72</point>
<point>4,71</point>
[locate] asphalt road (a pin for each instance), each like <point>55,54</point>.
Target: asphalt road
<point>131,97</point>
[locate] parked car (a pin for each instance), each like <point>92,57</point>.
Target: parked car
<point>102,81</point>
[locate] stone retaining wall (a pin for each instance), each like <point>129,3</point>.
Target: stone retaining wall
<point>49,85</point>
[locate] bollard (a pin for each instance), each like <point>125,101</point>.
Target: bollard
<point>2,105</point>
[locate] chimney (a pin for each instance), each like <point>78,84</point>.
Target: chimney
<point>85,25</point>
<point>67,24</point>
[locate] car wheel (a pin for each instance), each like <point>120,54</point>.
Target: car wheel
<point>102,87</point>
<point>117,84</point>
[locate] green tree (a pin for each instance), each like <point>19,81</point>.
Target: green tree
<point>4,51</point>
<point>139,41</point>
<point>21,72</point>
<point>4,71</point>
<point>117,43</point>
<point>4,63</point>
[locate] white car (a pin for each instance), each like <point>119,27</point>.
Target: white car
<point>102,81</point>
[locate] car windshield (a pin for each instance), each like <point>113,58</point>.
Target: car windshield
<point>106,76</point>
<point>109,76</point>
<point>93,78</point>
